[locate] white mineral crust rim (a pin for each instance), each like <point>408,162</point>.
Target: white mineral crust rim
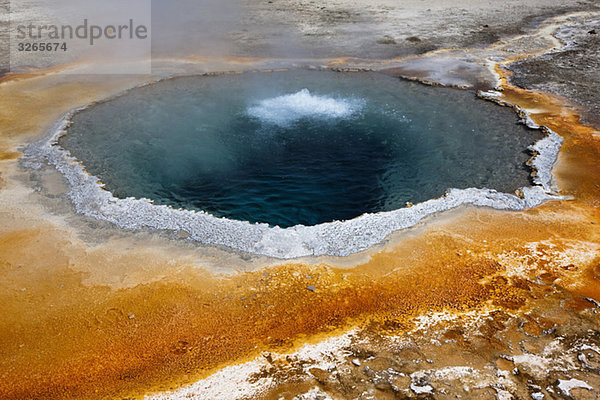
<point>338,238</point>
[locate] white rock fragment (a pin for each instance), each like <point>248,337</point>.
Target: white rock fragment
<point>502,394</point>
<point>566,386</point>
<point>420,382</point>
<point>421,389</point>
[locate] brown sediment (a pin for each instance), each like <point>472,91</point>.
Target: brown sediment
<point>62,339</point>
<point>34,72</point>
<point>10,155</point>
<point>64,335</point>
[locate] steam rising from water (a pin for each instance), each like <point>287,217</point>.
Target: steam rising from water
<point>289,108</point>
<point>302,174</point>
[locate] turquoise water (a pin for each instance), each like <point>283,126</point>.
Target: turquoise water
<point>298,147</point>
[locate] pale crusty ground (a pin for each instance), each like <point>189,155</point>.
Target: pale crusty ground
<point>300,29</point>
<point>390,28</point>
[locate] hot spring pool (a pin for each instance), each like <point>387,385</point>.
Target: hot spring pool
<point>298,147</point>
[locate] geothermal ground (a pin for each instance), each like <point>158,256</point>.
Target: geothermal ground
<point>470,302</point>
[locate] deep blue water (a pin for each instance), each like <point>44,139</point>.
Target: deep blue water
<point>298,147</point>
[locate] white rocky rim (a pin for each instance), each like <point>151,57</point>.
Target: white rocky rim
<point>338,238</point>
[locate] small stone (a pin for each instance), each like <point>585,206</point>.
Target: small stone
<point>531,347</point>
<point>387,39</point>
<point>569,267</point>
<point>383,385</point>
<point>378,363</point>
<point>312,288</point>
<point>183,235</point>
<point>565,386</point>
<point>401,382</point>
<point>420,383</point>
<point>320,375</point>
<point>356,362</point>
<point>592,32</point>
<point>267,355</point>
<point>291,359</point>
<point>131,316</point>
<point>427,389</point>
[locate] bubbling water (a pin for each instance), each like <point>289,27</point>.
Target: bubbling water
<point>289,108</point>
